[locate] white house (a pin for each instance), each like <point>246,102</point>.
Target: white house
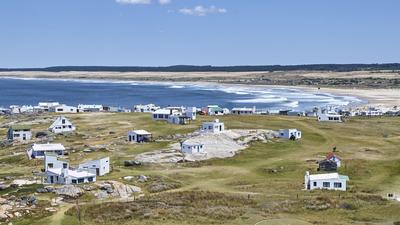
<point>58,171</point>
<point>213,127</point>
<point>62,125</point>
<point>330,118</point>
<point>19,133</point>
<point>39,150</point>
<point>372,112</point>
<point>139,136</point>
<point>244,111</point>
<point>191,112</point>
<point>63,109</point>
<point>192,147</point>
<point>164,114</point>
<point>90,108</point>
<point>213,110</point>
<point>146,108</point>
<point>100,167</point>
<point>52,161</point>
<point>47,105</point>
<point>68,176</point>
<point>290,134</point>
<point>16,109</point>
<point>333,157</point>
<point>178,119</point>
<point>329,181</point>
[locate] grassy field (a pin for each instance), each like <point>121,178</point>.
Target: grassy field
<point>239,190</point>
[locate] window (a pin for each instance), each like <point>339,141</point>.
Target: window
<point>315,184</point>
<point>50,165</point>
<point>81,180</point>
<point>337,185</point>
<point>63,121</point>
<point>65,165</point>
<point>90,179</point>
<point>155,116</point>
<point>326,184</point>
<point>74,181</point>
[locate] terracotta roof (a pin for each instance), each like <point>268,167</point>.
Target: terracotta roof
<point>331,154</point>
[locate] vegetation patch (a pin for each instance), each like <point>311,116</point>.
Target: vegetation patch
<point>202,206</point>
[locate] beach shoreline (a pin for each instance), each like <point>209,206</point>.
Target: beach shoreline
<point>383,97</point>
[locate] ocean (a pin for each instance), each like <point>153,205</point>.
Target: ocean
<point>30,91</point>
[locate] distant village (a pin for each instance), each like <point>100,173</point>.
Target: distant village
<point>212,140</point>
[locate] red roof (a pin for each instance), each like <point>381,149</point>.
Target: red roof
<point>331,155</point>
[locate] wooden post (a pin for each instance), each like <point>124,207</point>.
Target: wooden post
<point>78,212</point>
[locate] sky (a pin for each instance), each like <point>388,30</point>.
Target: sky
<point>41,33</point>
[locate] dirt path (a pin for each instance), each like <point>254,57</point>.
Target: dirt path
<point>57,218</point>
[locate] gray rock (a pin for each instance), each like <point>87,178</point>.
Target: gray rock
<point>41,190</point>
<point>28,200</point>
<point>69,191</point>
<point>132,163</point>
<point>49,189</point>
<point>142,178</point>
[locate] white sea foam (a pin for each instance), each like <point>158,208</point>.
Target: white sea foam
<point>176,86</point>
<point>286,97</point>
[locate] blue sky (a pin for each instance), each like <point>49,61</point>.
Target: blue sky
<point>38,33</point>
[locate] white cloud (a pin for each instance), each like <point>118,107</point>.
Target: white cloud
<point>164,2</point>
<point>202,11</point>
<point>134,2</point>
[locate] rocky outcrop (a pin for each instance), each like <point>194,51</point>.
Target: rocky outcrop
<point>116,189</point>
<point>69,191</point>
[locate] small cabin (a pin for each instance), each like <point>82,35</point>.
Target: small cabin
<point>244,111</point>
<point>178,119</point>
<point>40,150</point>
<point>63,109</point>
<point>329,181</point>
<point>19,133</point>
<point>213,127</point>
<point>62,125</point>
<point>139,136</point>
<point>292,134</point>
<point>327,165</point>
<point>162,114</point>
<point>192,147</point>
<point>330,118</point>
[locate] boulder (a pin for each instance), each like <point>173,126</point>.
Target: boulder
<point>29,200</point>
<point>142,178</point>
<point>128,178</point>
<point>49,189</point>
<point>118,189</point>
<point>41,190</point>
<point>132,163</point>
<point>69,191</point>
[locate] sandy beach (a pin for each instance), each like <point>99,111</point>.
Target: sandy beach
<point>382,96</point>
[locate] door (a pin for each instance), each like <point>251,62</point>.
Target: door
<point>98,171</point>
<point>51,179</point>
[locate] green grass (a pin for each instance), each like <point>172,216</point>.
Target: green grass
<point>369,148</point>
